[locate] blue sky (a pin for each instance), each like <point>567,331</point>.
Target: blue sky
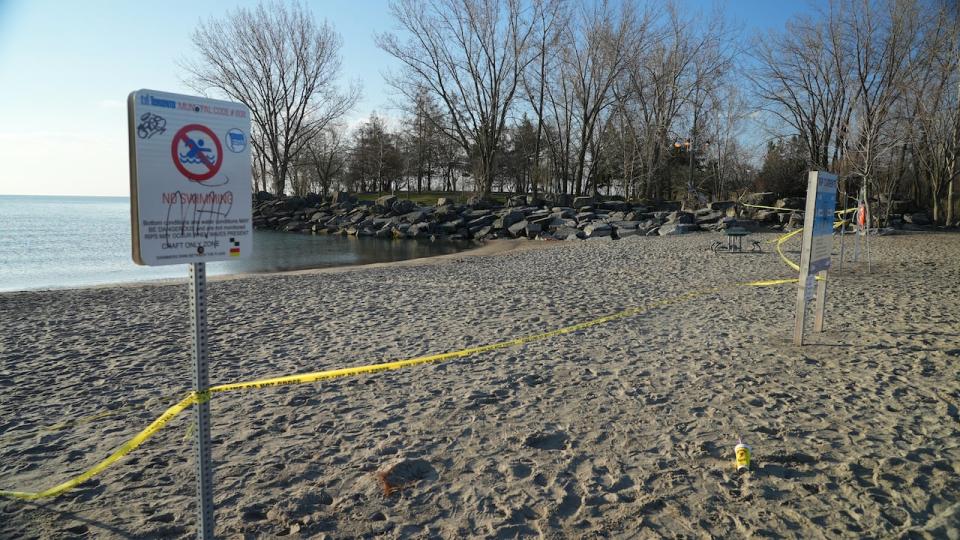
<point>66,68</point>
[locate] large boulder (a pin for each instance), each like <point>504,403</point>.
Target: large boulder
<point>518,228</point>
<point>543,221</point>
<point>765,198</point>
<point>726,223</point>
<point>791,203</point>
<point>597,229</point>
<point>568,233</point>
<point>917,218</point>
<point>624,225</point>
<point>446,213</point>
<point>450,227</point>
<point>580,202</point>
<point>708,218</point>
<point>386,201</point>
<point>480,232</point>
<point>481,222</point>
<point>669,229</point>
<point>616,206</point>
<point>416,216</point>
<point>403,206</point>
<point>479,202</point>
<point>681,217</point>
<point>721,206</point>
<point>648,225</point>
<point>509,218</point>
<point>766,216</point>
<point>517,201</point>
<point>419,230</point>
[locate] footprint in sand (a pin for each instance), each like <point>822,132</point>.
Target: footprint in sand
<point>556,440</point>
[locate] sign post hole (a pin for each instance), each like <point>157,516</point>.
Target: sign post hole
<point>815,248</point>
<point>190,203</point>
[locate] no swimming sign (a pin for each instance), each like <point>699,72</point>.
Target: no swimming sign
<point>189,179</point>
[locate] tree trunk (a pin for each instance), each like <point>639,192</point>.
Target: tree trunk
<point>950,202</point>
<point>278,180</point>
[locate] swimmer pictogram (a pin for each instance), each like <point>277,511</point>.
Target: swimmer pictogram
<point>196,152</point>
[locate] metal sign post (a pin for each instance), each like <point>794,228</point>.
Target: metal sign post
<point>201,385</point>
<point>816,247</point>
<point>190,202</point>
<point>843,228</point>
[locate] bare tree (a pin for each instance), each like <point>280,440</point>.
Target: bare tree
<point>596,43</point>
<point>882,38</point>
<point>259,167</point>
<point>936,102</point>
<point>676,72</point>
<point>422,139</point>
<point>551,20</point>
<point>469,54</point>
<point>325,156</point>
<point>279,62</point>
<point>804,80</point>
<point>730,112</point>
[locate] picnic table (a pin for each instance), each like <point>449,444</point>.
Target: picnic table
<point>734,238</point>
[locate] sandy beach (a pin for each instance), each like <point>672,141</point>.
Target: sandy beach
<point>624,430</point>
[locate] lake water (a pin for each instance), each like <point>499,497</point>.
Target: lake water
<point>57,242</point>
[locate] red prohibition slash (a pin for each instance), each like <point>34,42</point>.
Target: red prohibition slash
<point>196,151</point>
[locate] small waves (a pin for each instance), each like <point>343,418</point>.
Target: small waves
<point>185,158</point>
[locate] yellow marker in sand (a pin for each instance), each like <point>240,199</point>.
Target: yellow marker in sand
<point>742,453</point>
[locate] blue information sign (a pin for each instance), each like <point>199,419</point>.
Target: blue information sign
<point>826,204</point>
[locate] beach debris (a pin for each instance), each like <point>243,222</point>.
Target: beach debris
<point>743,454</point>
<point>403,474</point>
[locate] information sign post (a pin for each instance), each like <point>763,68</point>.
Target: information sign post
<point>816,247</point>
<point>190,198</point>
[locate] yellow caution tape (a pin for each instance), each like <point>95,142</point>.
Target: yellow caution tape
<point>770,207</point>
<point>124,449</point>
<point>203,397</point>
<point>780,240</point>
<point>838,212</point>
<point>783,238</point>
<point>199,397</point>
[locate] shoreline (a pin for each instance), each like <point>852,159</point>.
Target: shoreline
<point>489,247</point>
